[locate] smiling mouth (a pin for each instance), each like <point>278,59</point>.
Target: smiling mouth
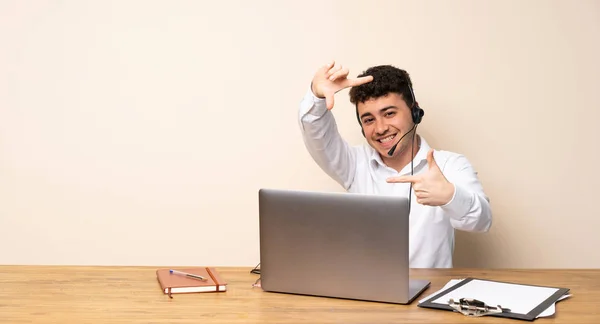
<point>386,140</point>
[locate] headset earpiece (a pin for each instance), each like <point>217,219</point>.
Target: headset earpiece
<point>417,114</point>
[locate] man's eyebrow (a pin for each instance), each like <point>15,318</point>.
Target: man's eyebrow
<point>387,108</point>
<point>381,110</point>
<point>365,115</point>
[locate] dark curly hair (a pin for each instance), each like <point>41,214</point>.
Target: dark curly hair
<point>386,79</point>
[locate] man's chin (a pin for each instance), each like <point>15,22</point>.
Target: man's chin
<point>383,152</point>
<point>382,149</point>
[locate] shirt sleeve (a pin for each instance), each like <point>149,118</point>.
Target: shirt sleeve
<point>324,142</point>
<point>469,209</point>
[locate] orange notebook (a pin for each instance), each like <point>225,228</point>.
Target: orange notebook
<point>172,283</point>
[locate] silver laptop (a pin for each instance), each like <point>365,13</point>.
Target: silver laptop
<point>343,245</point>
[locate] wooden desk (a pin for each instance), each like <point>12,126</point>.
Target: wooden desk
<point>71,294</point>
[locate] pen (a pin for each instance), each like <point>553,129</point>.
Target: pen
<point>190,275</point>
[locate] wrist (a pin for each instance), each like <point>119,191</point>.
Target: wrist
<point>314,91</point>
<point>450,192</point>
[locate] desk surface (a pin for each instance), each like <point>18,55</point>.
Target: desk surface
<point>74,294</point>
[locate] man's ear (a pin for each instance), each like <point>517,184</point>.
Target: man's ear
<point>362,130</point>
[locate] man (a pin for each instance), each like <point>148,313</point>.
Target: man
<point>446,193</point>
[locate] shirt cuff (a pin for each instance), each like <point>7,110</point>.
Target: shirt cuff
<point>312,104</point>
<point>460,203</point>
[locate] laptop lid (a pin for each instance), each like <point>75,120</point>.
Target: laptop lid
<point>342,245</point>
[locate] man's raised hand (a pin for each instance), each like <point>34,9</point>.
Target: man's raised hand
<point>431,188</point>
<point>332,78</point>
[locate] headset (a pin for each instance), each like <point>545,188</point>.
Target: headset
<point>417,116</point>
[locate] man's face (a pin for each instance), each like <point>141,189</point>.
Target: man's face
<point>384,121</point>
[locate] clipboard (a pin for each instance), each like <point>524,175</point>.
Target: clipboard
<point>525,302</point>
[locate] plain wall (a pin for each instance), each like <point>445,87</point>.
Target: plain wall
<point>139,132</point>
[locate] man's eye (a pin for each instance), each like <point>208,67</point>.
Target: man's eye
<point>367,120</point>
<point>390,113</point>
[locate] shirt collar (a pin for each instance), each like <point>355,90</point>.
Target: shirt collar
<point>375,158</point>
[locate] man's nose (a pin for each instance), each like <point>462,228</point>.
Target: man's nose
<point>381,127</point>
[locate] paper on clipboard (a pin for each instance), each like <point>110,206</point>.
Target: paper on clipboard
<point>519,305</point>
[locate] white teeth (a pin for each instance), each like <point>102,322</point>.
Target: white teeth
<point>387,139</point>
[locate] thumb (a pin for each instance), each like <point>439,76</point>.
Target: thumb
<point>431,161</point>
<point>329,100</point>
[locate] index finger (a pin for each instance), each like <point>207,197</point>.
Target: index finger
<point>361,80</point>
<point>402,179</point>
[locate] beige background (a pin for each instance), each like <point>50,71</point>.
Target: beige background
<point>138,132</point>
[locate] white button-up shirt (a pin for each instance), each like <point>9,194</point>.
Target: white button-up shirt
<point>360,169</point>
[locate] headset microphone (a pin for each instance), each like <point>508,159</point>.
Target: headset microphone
<point>391,151</point>
<point>417,115</point>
